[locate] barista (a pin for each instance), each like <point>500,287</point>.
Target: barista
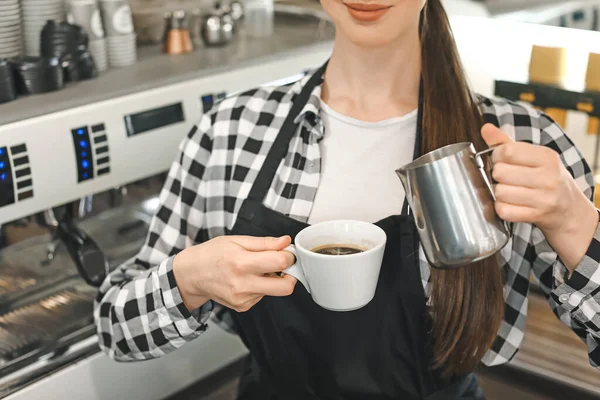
<point>261,166</point>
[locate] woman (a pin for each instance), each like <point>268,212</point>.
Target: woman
<point>262,165</point>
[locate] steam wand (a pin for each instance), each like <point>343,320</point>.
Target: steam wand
<point>89,259</point>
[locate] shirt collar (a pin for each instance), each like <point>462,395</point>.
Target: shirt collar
<point>312,108</point>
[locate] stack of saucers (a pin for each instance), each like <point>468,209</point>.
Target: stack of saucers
<point>10,28</point>
<point>120,34</point>
<point>35,15</point>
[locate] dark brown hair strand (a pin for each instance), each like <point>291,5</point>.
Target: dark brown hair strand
<point>467,304</point>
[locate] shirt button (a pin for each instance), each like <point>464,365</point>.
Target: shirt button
<point>563,298</point>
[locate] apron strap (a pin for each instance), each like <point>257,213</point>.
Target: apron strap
<point>280,145</point>
<point>418,135</point>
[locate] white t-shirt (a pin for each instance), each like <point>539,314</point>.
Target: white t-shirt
<point>358,163</point>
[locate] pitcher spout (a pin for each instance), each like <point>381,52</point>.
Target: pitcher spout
<point>402,174</point>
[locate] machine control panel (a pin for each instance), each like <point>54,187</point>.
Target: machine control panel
<point>154,118</point>
<point>85,150</point>
<point>210,99</point>
<point>16,183</point>
<point>101,150</point>
<point>91,151</point>
<point>7,194</point>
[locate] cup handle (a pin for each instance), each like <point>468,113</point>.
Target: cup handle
<point>479,161</point>
<point>296,269</point>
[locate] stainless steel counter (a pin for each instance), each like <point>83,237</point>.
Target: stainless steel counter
<point>299,31</point>
<point>295,32</point>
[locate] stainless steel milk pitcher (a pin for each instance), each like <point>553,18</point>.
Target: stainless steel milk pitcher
<point>452,202</point>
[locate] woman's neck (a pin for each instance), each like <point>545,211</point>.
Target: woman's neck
<point>373,84</point>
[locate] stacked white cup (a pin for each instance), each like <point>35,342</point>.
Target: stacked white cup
<point>35,13</point>
<point>86,14</point>
<point>259,18</point>
<point>120,35</point>
<point>10,29</point>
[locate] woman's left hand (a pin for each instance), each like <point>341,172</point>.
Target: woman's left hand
<point>535,187</point>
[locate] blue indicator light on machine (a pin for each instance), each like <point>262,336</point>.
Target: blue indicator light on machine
<point>2,177</point>
<point>80,131</point>
<point>85,164</point>
<point>1,164</point>
<point>83,144</point>
<point>84,154</point>
<point>1,152</point>
<point>85,175</point>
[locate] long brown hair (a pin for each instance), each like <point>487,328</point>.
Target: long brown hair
<point>467,304</point>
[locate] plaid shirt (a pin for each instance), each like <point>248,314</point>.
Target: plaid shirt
<point>139,312</point>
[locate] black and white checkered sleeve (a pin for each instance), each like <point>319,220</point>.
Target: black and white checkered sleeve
<point>575,299</point>
<point>139,312</point>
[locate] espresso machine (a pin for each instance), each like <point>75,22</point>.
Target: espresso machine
<point>78,189</point>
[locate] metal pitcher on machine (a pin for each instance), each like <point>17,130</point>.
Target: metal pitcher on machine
<point>452,202</point>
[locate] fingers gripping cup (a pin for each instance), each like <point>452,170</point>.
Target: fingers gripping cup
<point>338,262</point>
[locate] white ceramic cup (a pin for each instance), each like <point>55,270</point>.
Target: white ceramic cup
<point>339,282</point>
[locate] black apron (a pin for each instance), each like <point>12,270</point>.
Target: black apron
<point>300,351</point>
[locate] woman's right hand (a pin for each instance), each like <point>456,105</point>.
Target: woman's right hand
<point>234,271</point>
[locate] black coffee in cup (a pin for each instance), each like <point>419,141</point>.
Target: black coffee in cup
<point>337,249</point>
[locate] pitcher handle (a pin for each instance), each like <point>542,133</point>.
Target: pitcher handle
<point>478,160</point>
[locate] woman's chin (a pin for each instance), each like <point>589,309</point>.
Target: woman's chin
<point>368,38</point>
